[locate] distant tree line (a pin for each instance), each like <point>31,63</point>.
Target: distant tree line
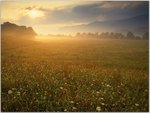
<point>112,35</point>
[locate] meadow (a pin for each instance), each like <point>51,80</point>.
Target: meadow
<point>74,74</point>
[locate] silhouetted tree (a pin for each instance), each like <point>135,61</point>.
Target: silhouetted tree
<point>120,36</point>
<point>130,35</point>
<point>78,35</point>
<point>102,35</point>
<point>112,35</point>
<point>96,35</point>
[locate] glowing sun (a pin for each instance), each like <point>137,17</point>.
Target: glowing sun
<point>35,13</point>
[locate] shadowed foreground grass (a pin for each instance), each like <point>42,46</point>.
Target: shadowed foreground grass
<point>75,75</point>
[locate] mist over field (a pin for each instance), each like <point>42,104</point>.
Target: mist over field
<point>89,56</point>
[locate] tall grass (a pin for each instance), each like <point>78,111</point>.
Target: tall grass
<point>75,75</point>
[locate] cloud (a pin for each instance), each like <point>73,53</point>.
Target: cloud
<point>121,4</point>
<point>29,8</point>
<point>111,10</point>
<point>37,8</point>
<point>97,11</point>
<point>88,12</point>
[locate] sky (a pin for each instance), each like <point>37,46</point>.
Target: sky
<point>48,17</point>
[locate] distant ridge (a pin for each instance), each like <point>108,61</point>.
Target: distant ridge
<point>12,30</point>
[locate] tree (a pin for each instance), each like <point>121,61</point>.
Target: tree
<point>78,34</point>
<point>112,35</point>
<point>130,35</point>
<point>120,36</point>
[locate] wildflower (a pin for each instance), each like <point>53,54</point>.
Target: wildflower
<point>13,89</point>
<point>98,108</point>
<point>97,92</point>
<point>108,85</point>
<point>10,92</point>
<point>136,104</point>
<point>102,98</point>
<point>37,93</point>
<point>113,104</point>
<point>61,88</point>
<point>77,103</point>
<point>14,97</point>
<point>102,104</point>
<point>65,110</point>
<point>71,102</point>
<point>122,84</point>
<point>74,108</point>
<point>65,83</point>
<point>145,90</point>
<point>118,86</point>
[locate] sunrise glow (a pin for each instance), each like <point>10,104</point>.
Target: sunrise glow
<point>35,13</point>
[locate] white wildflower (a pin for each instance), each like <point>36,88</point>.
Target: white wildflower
<point>61,88</point>
<point>74,108</point>
<point>102,104</point>
<point>98,108</point>
<point>108,85</point>
<point>97,92</point>
<point>10,92</point>
<point>136,104</point>
<point>146,90</point>
<point>71,102</point>
<point>65,110</point>
<point>65,83</point>
<point>102,98</point>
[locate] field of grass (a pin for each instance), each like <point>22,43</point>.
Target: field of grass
<point>75,75</point>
